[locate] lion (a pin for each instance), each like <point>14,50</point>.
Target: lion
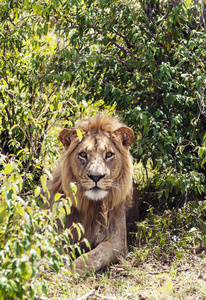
<point>100,165</point>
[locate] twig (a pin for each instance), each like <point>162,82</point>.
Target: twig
<point>166,271</point>
<point>104,297</point>
<point>93,293</point>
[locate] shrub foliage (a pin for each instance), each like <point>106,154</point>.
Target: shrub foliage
<point>28,237</point>
<point>61,59</point>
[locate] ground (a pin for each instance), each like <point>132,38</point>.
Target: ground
<point>139,276</point>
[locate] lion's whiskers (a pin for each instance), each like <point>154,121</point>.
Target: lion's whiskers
<point>102,185</point>
<point>115,185</point>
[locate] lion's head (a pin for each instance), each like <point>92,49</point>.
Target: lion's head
<point>100,164</point>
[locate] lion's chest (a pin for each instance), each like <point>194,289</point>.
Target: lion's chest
<point>96,226</point>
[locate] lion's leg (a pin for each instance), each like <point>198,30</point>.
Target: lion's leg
<point>107,251</point>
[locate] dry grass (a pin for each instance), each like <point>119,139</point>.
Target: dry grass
<point>139,276</point>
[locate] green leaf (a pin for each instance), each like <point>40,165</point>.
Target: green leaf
<point>37,191</point>
<point>150,233</point>
<point>79,231</point>
<point>8,169</point>
<point>201,152</point>
<point>73,187</point>
<point>59,105</point>
<point>67,207</point>
<point>79,134</point>
<point>3,212</point>
<point>43,182</point>
<point>57,197</point>
<point>44,289</point>
<point>181,149</point>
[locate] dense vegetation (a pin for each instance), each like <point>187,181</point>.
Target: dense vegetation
<point>143,60</point>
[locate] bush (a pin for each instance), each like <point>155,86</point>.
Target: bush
<point>174,232</point>
<point>145,58</point>
<point>28,236</point>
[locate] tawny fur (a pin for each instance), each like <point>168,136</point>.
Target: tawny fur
<point>104,220</point>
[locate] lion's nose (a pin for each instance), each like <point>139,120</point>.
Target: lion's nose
<point>96,178</point>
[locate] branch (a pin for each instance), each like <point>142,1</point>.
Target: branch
<point>27,17</point>
<point>201,105</point>
<point>129,45</point>
<point>31,95</point>
<point>202,14</point>
<point>114,43</point>
<point>121,61</point>
<point>11,95</point>
<point>167,14</point>
<point>8,114</point>
<point>150,34</point>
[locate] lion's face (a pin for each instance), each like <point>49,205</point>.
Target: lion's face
<point>96,163</point>
<point>100,164</point>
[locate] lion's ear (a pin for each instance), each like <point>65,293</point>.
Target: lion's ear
<point>66,136</point>
<point>126,134</point>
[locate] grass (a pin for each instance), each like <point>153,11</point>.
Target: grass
<point>139,275</point>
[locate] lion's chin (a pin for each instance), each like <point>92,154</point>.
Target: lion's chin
<point>96,194</point>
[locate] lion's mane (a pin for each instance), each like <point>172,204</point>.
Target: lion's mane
<point>63,174</point>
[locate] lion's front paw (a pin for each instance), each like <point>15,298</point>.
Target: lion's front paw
<point>79,266</point>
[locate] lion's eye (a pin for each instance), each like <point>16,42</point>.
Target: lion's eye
<point>109,154</point>
<point>83,154</point>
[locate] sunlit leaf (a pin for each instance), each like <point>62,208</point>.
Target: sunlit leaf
<point>73,187</point>
<point>59,105</point>
<point>51,106</point>
<point>79,134</point>
<point>8,169</point>
<point>37,191</point>
<point>57,197</point>
<point>43,182</point>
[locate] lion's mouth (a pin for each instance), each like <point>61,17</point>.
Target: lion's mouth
<point>95,189</point>
<point>96,193</point>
